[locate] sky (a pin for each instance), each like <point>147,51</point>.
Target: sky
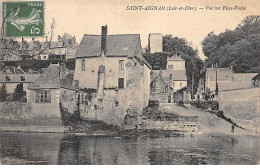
<point>79,17</point>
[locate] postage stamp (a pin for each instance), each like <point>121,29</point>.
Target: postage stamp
<point>21,19</point>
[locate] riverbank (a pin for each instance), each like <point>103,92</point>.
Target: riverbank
<point>209,124</point>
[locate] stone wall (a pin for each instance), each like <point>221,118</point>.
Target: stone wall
<point>89,77</point>
<point>111,110</point>
<point>170,125</point>
<point>100,97</point>
<point>161,97</point>
<point>45,109</point>
<point>17,116</point>
<point>68,98</point>
<point>242,106</point>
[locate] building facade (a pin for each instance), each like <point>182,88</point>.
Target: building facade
<point>113,77</point>
<point>62,49</point>
<point>50,89</point>
<point>161,89</point>
<point>11,76</point>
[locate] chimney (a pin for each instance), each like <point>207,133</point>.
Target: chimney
<point>104,39</point>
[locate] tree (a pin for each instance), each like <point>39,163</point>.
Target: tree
<point>18,92</point>
<point>3,92</point>
<point>239,48</point>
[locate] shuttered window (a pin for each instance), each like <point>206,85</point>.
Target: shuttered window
<point>121,65</point>
<point>43,96</point>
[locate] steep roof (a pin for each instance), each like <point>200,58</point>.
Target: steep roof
<point>50,79</point>
<point>177,75</point>
<point>117,45</point>
<point>159,78</point>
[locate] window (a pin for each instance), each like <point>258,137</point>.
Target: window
<point>44,57</point>
<point>22,78</point>
<point>43,96</point>
<point>170,76</point>
<point>116,103</point>
<point>181,84</point>
<point>121,65</point>
<point>170,67</point>
<point>120,82</point>
<point>83,65</point>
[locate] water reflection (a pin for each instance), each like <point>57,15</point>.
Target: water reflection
<point>22,148</point>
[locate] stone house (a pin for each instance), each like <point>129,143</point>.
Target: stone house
<point>113,77</point>
<point>9,50</point>
<point>11,76</point>
<point>176,70</point>
<point>226,79</point>
<point>161,89</point>
<point>183,94</point>
<point>64,48</point>
<point>50,89</point>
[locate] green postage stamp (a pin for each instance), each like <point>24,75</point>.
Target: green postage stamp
<point>23,19</point>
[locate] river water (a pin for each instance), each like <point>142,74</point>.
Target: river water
<point>33,148</point>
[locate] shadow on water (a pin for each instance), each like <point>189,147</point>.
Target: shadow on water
<point>26,148</point>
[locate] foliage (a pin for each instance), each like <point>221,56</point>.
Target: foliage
<point>172,46</point>
<point>239,48</point>
<point>18,92</point>
<point>3,92</point>
<point>39,64</point>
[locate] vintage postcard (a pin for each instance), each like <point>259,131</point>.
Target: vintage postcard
<point>130,82</point>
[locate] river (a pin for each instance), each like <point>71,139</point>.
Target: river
<point>35,148</point>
